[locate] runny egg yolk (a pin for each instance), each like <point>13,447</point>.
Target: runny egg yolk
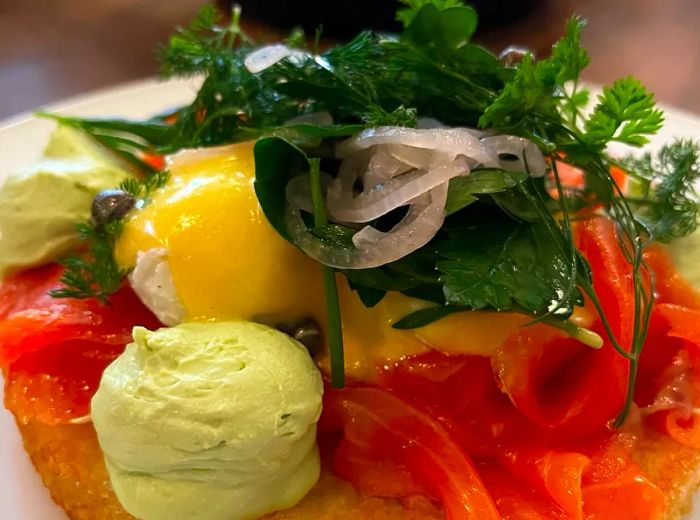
<point>227,262</point>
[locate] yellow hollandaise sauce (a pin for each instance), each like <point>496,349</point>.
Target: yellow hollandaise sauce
<point>227,263</point>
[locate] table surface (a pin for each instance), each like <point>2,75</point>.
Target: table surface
<point>51,49</point>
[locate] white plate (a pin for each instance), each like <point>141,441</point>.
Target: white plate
<point>22,138</point>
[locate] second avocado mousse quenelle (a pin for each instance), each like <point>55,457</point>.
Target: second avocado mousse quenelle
<point>210,421</point>
<point>41,204</point>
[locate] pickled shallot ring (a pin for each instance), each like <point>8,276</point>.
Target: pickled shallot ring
<point>527,156</point>
<point>385,168</point>
<point>265,57</point>
<point>374,248</point>
<point>395,165</point>
<point>459,141</point>
<point>298,191</point>
<point>397,191</point>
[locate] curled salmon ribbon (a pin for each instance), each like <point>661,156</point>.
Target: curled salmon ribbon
<point>53,351</point>
<point>527,432</point>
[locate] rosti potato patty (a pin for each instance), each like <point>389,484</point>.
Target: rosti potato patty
<point>70,462</point>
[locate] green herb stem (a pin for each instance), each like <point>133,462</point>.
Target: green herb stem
<point>585,336</point>
<point>335,331</point>
<point>334,326</point>
<point>629,398</point>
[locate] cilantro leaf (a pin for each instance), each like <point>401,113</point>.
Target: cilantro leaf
<point>625,113</point>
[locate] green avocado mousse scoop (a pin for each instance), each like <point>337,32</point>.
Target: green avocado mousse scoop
<point>210,421</point>
<point>41,204</point>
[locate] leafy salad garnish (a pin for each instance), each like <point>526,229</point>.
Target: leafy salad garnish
<point>507,241</point>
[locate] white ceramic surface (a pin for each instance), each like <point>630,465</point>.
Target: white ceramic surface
<point>22,495</point>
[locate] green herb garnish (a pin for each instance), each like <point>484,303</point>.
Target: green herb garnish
<point>335,328</point>
<point>143,189</point>
<point>507,242</point>
<point>664,191</point>
<point>94,272</point>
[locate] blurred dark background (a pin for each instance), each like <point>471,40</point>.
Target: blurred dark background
<point>52,49</point>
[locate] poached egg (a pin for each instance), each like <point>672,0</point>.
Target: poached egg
<point>202,250</point>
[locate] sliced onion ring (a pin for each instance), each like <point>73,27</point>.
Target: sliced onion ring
<point>385,168</point>
<point>265,57</point>
<point>458,141</point>
<point>397,191</point>
<point>374,248</point>
<point>528,156</point>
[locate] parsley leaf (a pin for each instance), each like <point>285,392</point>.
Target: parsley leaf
<point>538,86</point>
<point>625,113</point>
<point>505,265</point>
<point>406,14</point>
<point>569,58</point>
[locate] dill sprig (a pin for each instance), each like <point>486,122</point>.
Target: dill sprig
<point>143,189</point>
<point>664,189</point>
<point>93,272</point>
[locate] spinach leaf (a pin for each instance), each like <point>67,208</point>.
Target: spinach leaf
<point>368,295</point>
<point>276,162</point>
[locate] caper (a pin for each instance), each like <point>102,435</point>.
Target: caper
<point>109,205</point>
<point>307,332</point>
<point>512,55</point>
